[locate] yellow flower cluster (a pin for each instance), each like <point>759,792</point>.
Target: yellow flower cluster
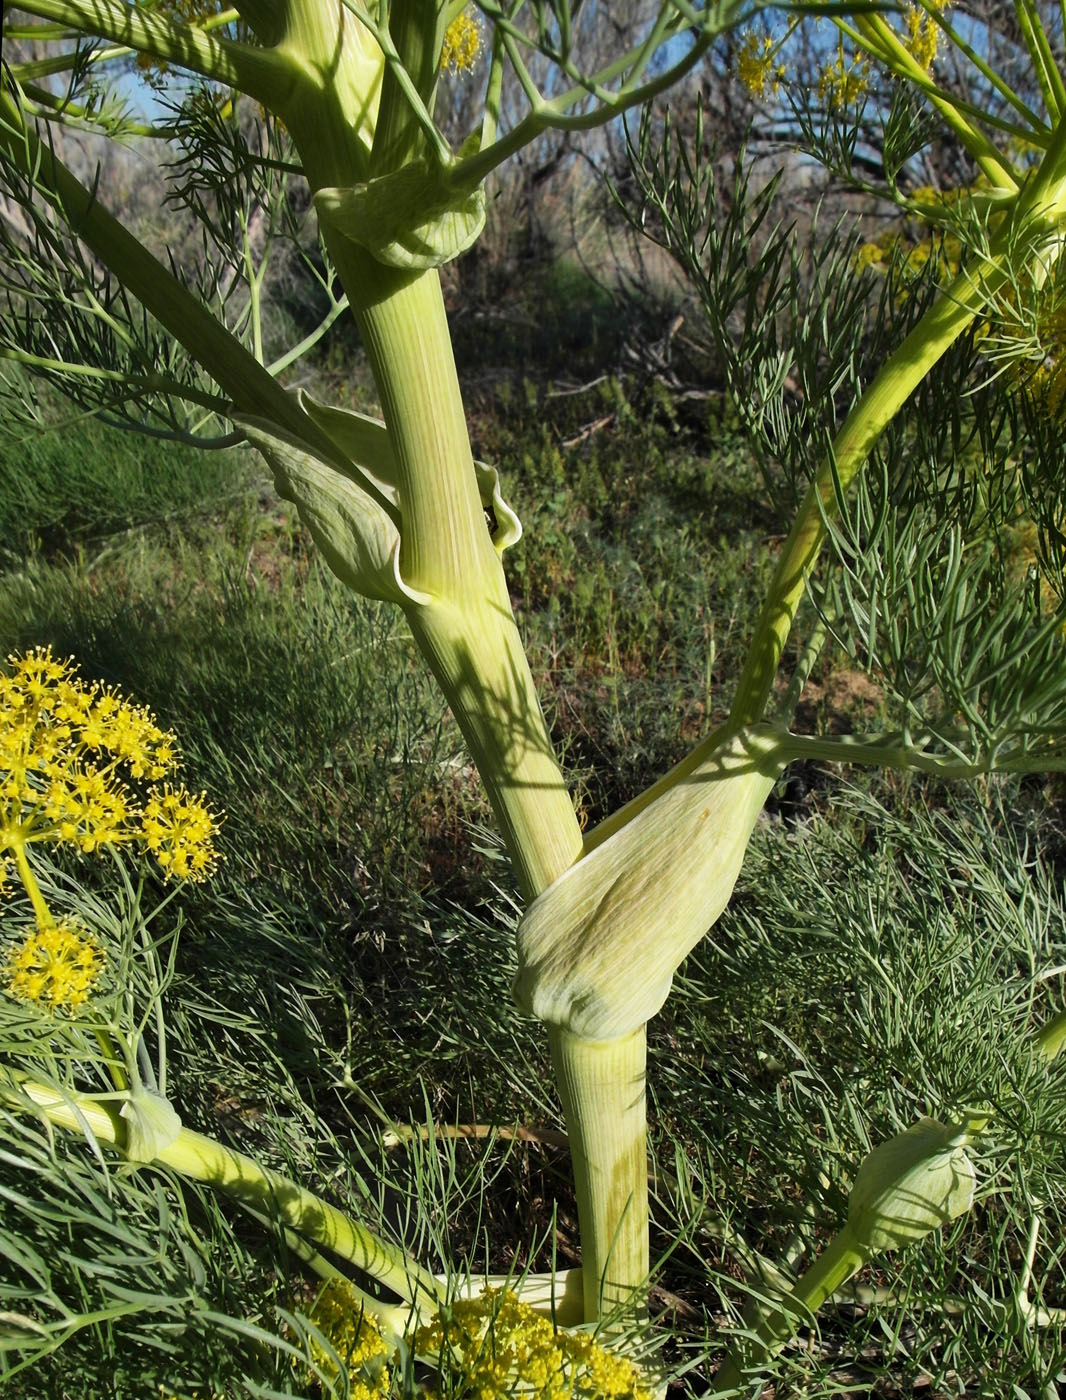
<point>843,82</point>
<point>756,68</point>
<point>919,240</point>
<point>55,967</point>
<point>355,1337</point>
<point>462,44</point>
<point>496,1345</point>
<point>69,752</point>
<point>944,251</point>
<point>922,36</point>
<point>922,39</point>
<point>178,830</point>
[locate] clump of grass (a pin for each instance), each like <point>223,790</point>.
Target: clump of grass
<point>68,488</point>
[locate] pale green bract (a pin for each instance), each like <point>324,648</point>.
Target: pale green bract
<point>357,536</point>
<point>353,514</point>
<point>911,1185</point>
<point>407,219</point>
<point>151,1125</point>
<point>597,950</point>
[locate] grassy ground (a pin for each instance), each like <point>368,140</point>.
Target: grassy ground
<point>351,962</point>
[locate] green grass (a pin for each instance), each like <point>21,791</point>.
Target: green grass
<point>350,964</point>
<point>81,484</point>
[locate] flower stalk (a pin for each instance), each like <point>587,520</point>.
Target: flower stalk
<point>1028,235</point>
<point>15,843</point>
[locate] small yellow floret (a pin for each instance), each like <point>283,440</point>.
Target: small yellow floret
<point>923,36</point>
<point>756,68</point>
<point>355,1337</point>
<point>179,830</point>
<point>843,82</point>
<point>462,44</point>
<point>869,255</point>
<point>55,967</point>
<point>496,1345</point>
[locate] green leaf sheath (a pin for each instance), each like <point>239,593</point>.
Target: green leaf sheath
<point>598,950</point>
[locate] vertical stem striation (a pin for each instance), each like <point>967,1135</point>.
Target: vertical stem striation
<point>602,1085</point>
<point>467,630</point>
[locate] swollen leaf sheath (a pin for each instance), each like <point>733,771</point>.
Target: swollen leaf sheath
<point>599,947</point>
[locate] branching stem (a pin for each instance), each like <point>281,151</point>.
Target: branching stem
<point>254,70</point>
<point>1027,233</point>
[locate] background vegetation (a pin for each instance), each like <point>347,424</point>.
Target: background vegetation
<point>349,968</point>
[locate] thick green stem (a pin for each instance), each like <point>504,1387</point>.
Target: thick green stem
<point>331,107</point>
<point>202,1159</point>
<point>467,633</point>
<point>467,630</point>
<point>841,1259</point>
<point>446,548</point>
<point>602,1086</point>
<point>476,654</point>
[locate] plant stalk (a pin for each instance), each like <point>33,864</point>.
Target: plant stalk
<point>1030,231</point>
<point>468,635</point>
<point>602,1086</point>
<point>202,1159</point>
<point>467,630</point>
<point>16,844</point>
<point>841,1259</point>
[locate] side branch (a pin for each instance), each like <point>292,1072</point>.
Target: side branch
<point>552,114</point>
<point>259,72</point>
<point>1031,231</point>
<point>251,388</point>
<point>896,751</point>
<point>264,1191</point>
